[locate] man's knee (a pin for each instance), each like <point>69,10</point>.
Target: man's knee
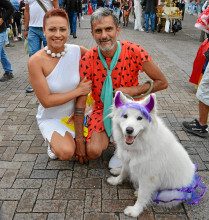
<point>93,152</point>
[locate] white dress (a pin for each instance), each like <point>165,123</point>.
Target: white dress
<point>64,78</point>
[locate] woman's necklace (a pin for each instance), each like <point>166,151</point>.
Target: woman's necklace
<point>53,55</point>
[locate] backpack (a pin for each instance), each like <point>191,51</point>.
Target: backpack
<point>177,26</point>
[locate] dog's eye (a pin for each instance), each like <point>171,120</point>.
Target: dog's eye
<point>139,118</point>
<point>125,116</point>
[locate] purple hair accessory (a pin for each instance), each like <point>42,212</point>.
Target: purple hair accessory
<point>118,102</point>
<point>191,194</point>
<point>150,105</point>
<point>143,109</point>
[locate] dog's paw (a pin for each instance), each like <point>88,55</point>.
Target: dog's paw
<point>132,211</point>
<point>115,171</point>
<point>113,180</point>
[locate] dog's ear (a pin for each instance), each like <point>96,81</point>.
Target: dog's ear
<point>149,102</point>
<point>120,99</point>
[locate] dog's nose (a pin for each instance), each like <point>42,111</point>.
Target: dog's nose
<point>129,130</point>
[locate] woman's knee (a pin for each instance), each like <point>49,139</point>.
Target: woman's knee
<point>66,154</point>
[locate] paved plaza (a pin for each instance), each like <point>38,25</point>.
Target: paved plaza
<point>32,186</point>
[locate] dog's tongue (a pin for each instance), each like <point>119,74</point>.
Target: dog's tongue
<point>129,139</point>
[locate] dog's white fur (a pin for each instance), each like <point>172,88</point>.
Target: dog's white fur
<point>155,160</point>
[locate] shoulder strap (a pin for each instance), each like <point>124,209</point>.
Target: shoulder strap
<point>42,6</point>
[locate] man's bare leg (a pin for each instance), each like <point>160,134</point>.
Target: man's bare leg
<point>99,142</point>
<point>203,113</point>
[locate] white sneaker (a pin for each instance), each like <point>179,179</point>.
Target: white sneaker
<point>50,153</point>
<point>82,18</point>
<point>114,162</point>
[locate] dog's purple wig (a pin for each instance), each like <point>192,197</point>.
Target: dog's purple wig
<point>145,110</point>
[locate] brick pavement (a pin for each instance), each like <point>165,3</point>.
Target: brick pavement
<point>34,187</point>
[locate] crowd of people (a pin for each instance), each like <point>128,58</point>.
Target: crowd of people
<point>45,23</point>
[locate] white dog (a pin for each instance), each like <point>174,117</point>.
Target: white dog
<point>151,155</point>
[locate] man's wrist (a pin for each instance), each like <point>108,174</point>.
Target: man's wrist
<point>25,29</point>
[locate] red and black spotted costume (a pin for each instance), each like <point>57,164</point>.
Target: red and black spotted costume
<point>125,74</point>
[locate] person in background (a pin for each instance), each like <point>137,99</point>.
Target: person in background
<point>73,8</point>
<point>126,5</point>
<point>6,39</point>
<point>6,11</point>
<point>94,4</point>
<point>150,7</point>
<point>16,21</point>
<point>199,127</point>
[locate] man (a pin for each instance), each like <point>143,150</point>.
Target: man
<point>73,8</point>
<point>124,60</point>
<point>6,10</point>
<point>33,24</point>
<point>200,127</point>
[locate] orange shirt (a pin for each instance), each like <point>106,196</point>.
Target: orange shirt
<point>125,74</point>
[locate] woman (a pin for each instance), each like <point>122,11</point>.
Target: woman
<point>54,76</point>
<point>127,5</point>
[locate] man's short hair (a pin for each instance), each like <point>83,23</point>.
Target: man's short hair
<point>102,12</point>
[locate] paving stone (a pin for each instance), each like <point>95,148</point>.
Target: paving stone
<point>47,189</point>
<point>64,179</point>
<point>204,154</point>
<point>109,191</point>
<point>86,183</point>
<point>50,206</point>
<point>25,170</point>
<point>10,194</point>
<point>24,147</point>
<point>9,153</point>
<point>30,216</point>
<point>170,217</point>
<point>147,214</point>
<point>21,137</point>
<point>25,157</point>
<point>60,165</point>
<point>182,135</point>
<point>8,178</point>
<point>98,173</point>
<point>100,216</point>
<point>2,171</point>
<point>56,216</point>
<point>80,172</point>
<point>197,160</point>
<point>69,194</point>
<point>37,150</point>
<point>93,200</point>
<point>10,165</point>
<point>46,174</point>
<point>41,161</point>
<point>115,205</point>
<point>126,194</point>
<point>27,200</point>
<point>75,210</point>
<point>27,183</point>
<point>8,209</point>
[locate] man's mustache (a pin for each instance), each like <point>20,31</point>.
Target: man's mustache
<point>105,40</point>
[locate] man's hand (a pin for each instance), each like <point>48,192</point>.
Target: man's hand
<point>1,21</point>
<point>25,34</point>
<point>80,152</point>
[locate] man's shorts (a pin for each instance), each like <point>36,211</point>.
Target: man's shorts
<point>203,88</point>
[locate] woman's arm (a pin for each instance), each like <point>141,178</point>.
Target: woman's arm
<point>41,88</point>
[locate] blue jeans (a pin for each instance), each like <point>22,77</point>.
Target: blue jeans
<point>35,39</point>
<point>73,21</point>
<point>94,6</point>
<point>3,57</point>
<point>150,15</point>
<point>6,38</point>
<point>86,8</point>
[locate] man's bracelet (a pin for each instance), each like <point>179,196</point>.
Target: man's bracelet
<point>26,29</point>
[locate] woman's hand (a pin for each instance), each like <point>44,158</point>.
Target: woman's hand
<point>80,152</point>
<point>84,87</point>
